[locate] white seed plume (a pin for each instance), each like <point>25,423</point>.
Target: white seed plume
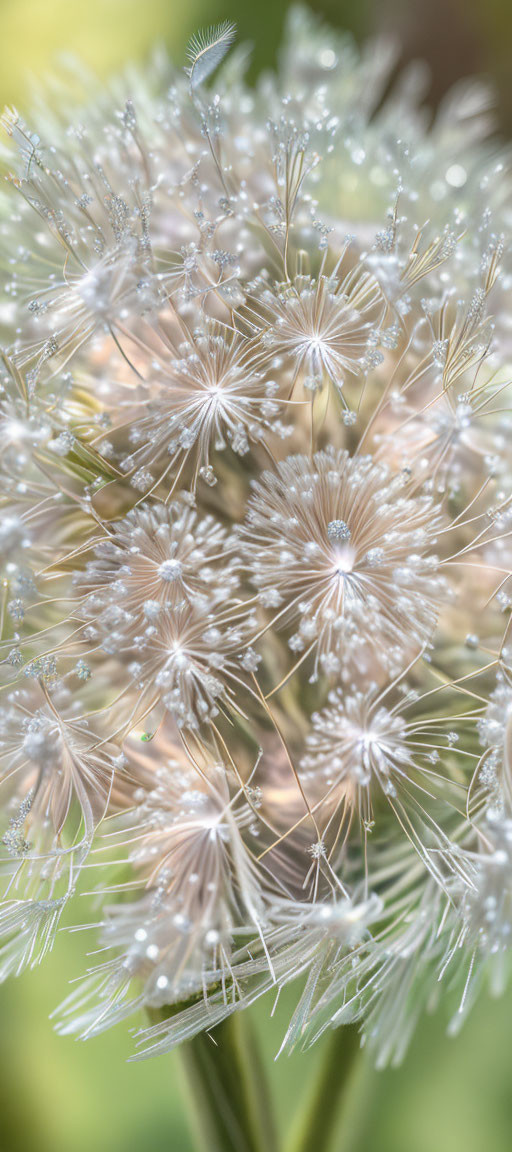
<point>342,546</point>
<point>255,538</point>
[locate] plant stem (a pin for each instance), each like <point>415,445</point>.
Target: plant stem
<point>322,1117</point>
<point>229,1097</point>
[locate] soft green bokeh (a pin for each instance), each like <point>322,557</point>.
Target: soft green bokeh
<point>105,33</point>
<point>57,1095</point>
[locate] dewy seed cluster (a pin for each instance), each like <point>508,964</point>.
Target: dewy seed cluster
<point>256,489</point>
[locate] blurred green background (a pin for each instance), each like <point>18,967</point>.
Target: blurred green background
<point>57,1095</point>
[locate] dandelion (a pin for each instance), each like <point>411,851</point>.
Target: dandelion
<point>191,661</point>
<point>157,558</point>
<point>324,328</point>
<point>213,395</point>
<point>347,548</point>
<point>255,535</point>
<point>365,746</point>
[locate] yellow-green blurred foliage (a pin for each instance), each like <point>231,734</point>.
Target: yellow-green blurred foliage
<point>57,1095</point>
<point>34,33</point>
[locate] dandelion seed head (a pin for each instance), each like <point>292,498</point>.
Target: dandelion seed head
<point>345,550</point>
<point>323,327</point>
<point>155,560</point>
<point>255,527</point>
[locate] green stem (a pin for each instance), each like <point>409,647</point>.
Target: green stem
<point>229,1098</point>
<point>324,1114</point>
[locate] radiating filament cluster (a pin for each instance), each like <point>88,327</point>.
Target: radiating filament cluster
<point>256,544</point>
